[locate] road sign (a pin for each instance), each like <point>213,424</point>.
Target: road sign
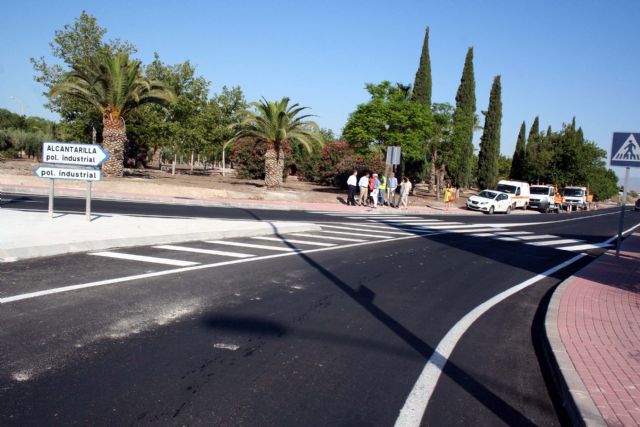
<point>393,155</point>
<point>68,173</point>
<point>71,153</point>
<point>625,149</point>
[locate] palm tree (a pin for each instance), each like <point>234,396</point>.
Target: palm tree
<point>275,124</point>
<point>113,84</point>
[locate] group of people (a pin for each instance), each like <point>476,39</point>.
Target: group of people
<point>372,190</point>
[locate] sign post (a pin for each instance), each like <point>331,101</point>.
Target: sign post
<point>75,154</point>
<point>625,151</point>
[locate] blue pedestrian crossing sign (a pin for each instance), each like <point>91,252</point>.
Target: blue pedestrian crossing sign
<point>625,149</point>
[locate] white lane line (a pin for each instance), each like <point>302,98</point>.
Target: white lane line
<point>314,236</point>
<point>251,245</point>
<point>472,230</point>
<point>203,251</point>
<point>484,235</point>
<point>300,242</point>
<point>142,258</point>
<point>137,277</point>
<point>508,239</point>
<point>555,242</point>
<point>383,217</point>
<point>539,237</point>
<point>339,227</point>
<point>414,407</point>
<point>585,247</point>
<point>515,233</point>
<point>348,233</point>
<point>417,221</point>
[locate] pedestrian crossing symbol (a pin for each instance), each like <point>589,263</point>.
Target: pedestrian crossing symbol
<point>625,150</point>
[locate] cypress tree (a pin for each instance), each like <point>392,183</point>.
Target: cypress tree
<point>464,119</point>
<point>422,83</point>
<point>490,141</point>
<point>519,155</point>
<point>532,158</point>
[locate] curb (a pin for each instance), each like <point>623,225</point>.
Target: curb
<point>576,399</point>
<point>23,253</point>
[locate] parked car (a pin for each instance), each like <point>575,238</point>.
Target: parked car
<point>637,205</point>
<point>518,190</point>
<point>490,201</point>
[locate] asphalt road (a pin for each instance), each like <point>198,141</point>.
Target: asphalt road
<point>327,335</point>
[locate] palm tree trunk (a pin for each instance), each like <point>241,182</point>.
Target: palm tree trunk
<point>273,168</point>
<point>114,137</point>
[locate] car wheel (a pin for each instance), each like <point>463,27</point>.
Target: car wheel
<point>546,210</point>
<point>508,211</point>
<point>490,210</point>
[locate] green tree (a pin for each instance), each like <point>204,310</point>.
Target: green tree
<point>490,141</point>
<point>518,171</point>
<point>276,124</point>
<point>440,146</point>
<point>533,166</point>
<point>464,121</point>
<point>504,167</point>
<point>113,85</point>
<point>422,83</point>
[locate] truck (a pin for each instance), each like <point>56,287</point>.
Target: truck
<point>545,198</point>
<point>577,198</point>
<point>518,191</point>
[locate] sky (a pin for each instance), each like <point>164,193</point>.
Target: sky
<point>557,59</point>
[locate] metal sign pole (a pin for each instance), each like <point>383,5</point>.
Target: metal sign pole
<point>51,191</point>
<point>622,206</point>
<point>88,204</point>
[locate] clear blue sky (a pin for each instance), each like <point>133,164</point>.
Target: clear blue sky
<point>557,59</point>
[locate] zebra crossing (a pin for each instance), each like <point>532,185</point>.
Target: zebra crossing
<point>372,228</point>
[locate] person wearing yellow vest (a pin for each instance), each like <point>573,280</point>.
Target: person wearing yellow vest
<point>382,189</point>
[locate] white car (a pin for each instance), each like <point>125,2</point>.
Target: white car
<point>490,201</point>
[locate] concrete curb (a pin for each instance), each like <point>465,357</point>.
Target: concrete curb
<point>576,399</point>
<point>261,229</point>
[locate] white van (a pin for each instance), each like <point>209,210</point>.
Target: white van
<point>519,192</point>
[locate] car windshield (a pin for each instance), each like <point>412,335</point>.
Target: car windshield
<point>511,189</point>
<point>539,190</point>
<point>573,192</point>
<point>487,194</point>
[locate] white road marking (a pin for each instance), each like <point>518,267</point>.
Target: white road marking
<point>472,230</point>
<point>344,239</point>
<point>585,247</point>
<point>204,251</point>
<point>383,217</point>
<point>251,245</point>
<point>348,233</point>
<point>515,233</point>
<point>339,227</point>
<point>417,221</point>
<point>449,225</point>
<point>414,407</point>
<point>539,237</point>
<point>555,242</point>
<point>142,258</point>
<point>508,239</point>
<point>224,346</point>
<point>300,242</point>
<point>484,235</point>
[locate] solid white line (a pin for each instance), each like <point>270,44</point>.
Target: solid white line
<point>383,217</point>
<point>339,227</point>
<point>348,233</point>
<point>344,239</point>
<point>414,407</point>
<point>417,221</point>
<point>473,230</point>
<point>204,251</point>
<point>554,242</point>
<point>585,247</point>
<point>301,242</point>
<point>539,237</point>
<point>136,277</point>
<point>251,245</point>
<point>142,258</point>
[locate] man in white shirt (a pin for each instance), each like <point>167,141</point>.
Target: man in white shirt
<point>352,183</point>
<point>364,188</point>
<point>392,184</point>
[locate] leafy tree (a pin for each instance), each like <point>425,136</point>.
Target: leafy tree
<point>113,85</point>
<point>533,165</point>
<point>440,147</point>
<point>490,141</point>
<point>518,171</point>
<point>422,82</point>
<point>504,167</point>
<point>276,124</point>
<point>464,121</point>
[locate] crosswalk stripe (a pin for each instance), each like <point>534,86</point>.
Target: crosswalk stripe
<point>585,247</point>
<point>368,230</point>
<point>204,251</point>
<point>300,242</point>
<point>484,235</point>
<point>515,233</point>
<point>555,242</point>
<point>142,258</point>
<point>375,225</point>
<point>346,233</point>
<point>508,239</point>
<point>538,237</point>
<point>472,230</point>
<point>448,225</point>
<point>345,239</point>
<point>251,245</point>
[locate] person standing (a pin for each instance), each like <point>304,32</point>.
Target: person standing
<point>375,190</point>
<point>382,189</point>
<point>392,185</point>
<point>404,193</point>
<point>364,186</point>
<point>447,197</point>
<point>352,183</point>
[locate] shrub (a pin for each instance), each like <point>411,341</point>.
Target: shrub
<point>248,159</point>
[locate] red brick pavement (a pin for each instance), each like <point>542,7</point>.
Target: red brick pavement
<point>599,324</point>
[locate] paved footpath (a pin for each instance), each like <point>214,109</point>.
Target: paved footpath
<point>596,338</point>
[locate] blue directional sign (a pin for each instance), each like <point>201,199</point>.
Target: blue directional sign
<point>625,149</point>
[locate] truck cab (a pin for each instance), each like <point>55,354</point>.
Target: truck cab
<point>576,197</point>
<point>543,198</point>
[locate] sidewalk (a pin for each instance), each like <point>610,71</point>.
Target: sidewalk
<point>593,327</point>
<point>26,235</point>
